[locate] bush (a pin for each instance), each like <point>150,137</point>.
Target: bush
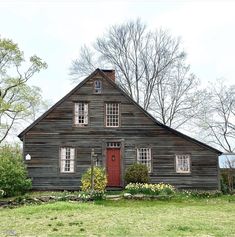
<point>201,193</point>
<point>13,174</point>
<point>137,173</point>
<point>150,189</point>
<point>100,180</point>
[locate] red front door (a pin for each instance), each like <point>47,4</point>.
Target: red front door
<point>113,167</point>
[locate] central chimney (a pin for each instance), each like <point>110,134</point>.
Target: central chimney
<point>109,73</point>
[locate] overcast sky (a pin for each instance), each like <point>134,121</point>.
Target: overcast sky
<point>55,30</point>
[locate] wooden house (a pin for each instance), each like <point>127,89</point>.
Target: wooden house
<point>97,114</point>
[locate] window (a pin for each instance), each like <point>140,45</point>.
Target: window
<point>144,157</point>
<point>81,113</point>
<point>67,159</point>
<point>182,163</point>
<point>113,144</point>
<point>112,115</point>
<point>97,86</point>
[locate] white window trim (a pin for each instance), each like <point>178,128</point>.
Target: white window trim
<point>76,114</point>
<point>98,90</point>
<point>149,159</point>
<point>180,156</point>
<point>106,115</point>
<point>63,159</point>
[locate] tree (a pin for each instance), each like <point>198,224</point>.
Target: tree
<point>229,171</point>
<point>16,98</point>
<point>176,97</point>
<point>218,116</point>
<point>150,67</point>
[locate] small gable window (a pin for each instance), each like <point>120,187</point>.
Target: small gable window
<point>97,86</point>
<point>112,115</point>
<point>67,159</point>
<point>182,163</point>
<point>144,157</point>
<point>81,113</point>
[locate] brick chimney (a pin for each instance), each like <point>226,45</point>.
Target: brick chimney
<point>109,73</point>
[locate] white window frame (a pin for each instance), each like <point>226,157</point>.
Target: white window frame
<point>144,156</point>
<point>67,159</point>
<point>97,90</point>
<point>183,163</point>
<point>112,118</point>
<point>81,113</point>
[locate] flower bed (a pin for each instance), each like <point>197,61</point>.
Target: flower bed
<point>150,189</point>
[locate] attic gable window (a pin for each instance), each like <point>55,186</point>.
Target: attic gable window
<point>97,86</point>
<point>112,115</point>
<point>144,157</point>
<point>81,113</point>
<point>67,159</point>
<point>182,163</point>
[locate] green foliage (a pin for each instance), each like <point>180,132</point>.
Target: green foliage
<point>137,173</point>
<point>18,101</point>
<point>13,175</point>
<point>150,189</point>
<point>1,193</point>
<point>201,193</point>
<point>100,180</point>
<point>224,186</point>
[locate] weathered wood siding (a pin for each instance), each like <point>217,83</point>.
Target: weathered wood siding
<point>44,140</point>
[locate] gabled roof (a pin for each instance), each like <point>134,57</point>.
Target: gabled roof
<point>102,72</point>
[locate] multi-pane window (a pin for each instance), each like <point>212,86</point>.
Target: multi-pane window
<point>182,163</point>
<point>144,157</point>
<point>81,113</point>
<point>67,159</point>
<point>112,115</point>
<point>97,86</point>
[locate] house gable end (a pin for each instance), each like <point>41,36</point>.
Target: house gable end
<point>132,114</point>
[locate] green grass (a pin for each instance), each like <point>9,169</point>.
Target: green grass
<point>212,217</point>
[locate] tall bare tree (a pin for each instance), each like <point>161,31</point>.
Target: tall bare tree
<point>16,97</point>
<point>139,56</point>
<point>176,96</point>
<point>218,116</point>
<point>150,67</point>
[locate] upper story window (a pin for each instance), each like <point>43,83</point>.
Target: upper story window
<point>182,163</point>
<point>81,113</point>
<point>67,155</point>
<point>144,157</point>
<point>97,86</point>
<point>112,115</point>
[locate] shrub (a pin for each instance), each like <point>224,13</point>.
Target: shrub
<point>13,174</point>
<point>100,180</point>
<point>1,193</point>
<point>137,173</point>
<point>201,193</point>
<point>150,189</point>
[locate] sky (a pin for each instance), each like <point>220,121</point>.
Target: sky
<point>55,31</point>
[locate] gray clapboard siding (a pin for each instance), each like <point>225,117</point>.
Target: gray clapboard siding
<point>43,141</point>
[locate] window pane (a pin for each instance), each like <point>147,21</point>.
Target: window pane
<point>67,159</point>
<point>81,113</point>
<point>112,115</point>
<point>144,157</point>
<point>97,86</point>
<point>182,163</point>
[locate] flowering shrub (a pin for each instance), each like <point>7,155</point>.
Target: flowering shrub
<point>201,193</point>
<point>100,180</point>
<point>150,189</point>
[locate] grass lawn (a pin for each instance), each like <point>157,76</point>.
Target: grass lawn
<point>212,217</point>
